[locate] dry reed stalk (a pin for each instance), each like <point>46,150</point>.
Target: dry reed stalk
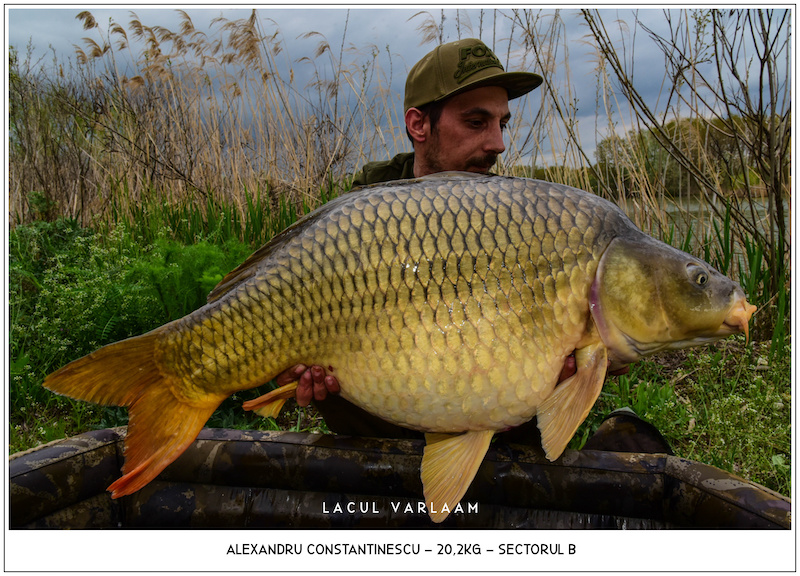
<point>198,114</point>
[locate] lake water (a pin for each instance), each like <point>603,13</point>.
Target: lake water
<point>700,215</point>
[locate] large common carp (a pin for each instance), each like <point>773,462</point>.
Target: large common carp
<point>447,304</point>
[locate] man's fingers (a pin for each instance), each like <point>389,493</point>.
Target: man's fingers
<point>332,384</point>
<point>569,368</point>
<point>305,389</point>
<point>290,375</point>
<point>311,383</point>
<point>318,380</point>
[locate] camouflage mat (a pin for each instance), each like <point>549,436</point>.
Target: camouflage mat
<point>234,478</point>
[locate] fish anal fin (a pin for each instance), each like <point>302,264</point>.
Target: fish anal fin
<point>270,404</point>
<point>449,464</point>
<point>272,410</point>
<point>559,416</point>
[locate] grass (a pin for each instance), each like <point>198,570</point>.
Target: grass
<point>73,290</point>
<point>726,404</point>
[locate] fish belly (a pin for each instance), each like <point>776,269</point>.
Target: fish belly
<point>461,373</point>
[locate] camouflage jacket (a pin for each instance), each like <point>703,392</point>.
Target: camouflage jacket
<point>398,168</point>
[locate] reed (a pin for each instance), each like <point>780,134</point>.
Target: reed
<point>191,115</point>
<point>203,122</point>
<point>697,169</point>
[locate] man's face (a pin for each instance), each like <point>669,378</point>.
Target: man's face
<point>469,134</point>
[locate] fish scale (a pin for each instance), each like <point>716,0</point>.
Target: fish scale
<point>448,304</point>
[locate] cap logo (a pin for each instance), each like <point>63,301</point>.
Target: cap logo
<point>474,58</point>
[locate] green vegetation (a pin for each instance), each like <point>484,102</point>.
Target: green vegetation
<point>72,290</point>
<point>726,404</point>
<point>127,206</point>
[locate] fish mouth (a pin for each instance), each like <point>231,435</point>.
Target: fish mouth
<point>738,319</point>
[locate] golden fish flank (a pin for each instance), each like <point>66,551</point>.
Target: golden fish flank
<point>446,304</point>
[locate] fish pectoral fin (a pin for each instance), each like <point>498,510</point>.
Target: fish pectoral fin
<point>566,408</point>
<point>270,404</point>
<point>449,464</point>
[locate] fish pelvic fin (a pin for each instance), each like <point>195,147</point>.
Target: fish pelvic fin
<point>161,423</point>
<point>270,404</point>
<point>559,416</point>
<point>449,464</point>
<point>160,428</point>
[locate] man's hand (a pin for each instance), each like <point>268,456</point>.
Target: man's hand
<point>311,383</point>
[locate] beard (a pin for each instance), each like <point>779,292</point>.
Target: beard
<point>433,158</point>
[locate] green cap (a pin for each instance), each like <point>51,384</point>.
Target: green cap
<point>460,66</point>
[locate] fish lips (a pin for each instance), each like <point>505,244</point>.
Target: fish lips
<point>623,349</point>
<point>738,319</point>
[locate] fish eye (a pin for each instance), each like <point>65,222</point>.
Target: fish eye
<point>697,273</point>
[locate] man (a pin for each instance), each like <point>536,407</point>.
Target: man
<point>456,110</point>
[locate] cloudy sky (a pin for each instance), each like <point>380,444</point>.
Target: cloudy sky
<point>395,31</point>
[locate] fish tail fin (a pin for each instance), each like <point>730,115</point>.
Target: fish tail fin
<point>270,404</point>
<point>160,428</point>
<point>161,424</point>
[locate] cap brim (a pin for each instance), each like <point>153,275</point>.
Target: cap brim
<point>517,83</point>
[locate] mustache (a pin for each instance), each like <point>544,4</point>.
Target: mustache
<point>483,162</point>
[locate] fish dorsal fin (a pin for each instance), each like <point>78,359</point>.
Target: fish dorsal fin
<point>239,274</point>
<point>566,408</point>
<point>250,266</point>
<point>449,464</point>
